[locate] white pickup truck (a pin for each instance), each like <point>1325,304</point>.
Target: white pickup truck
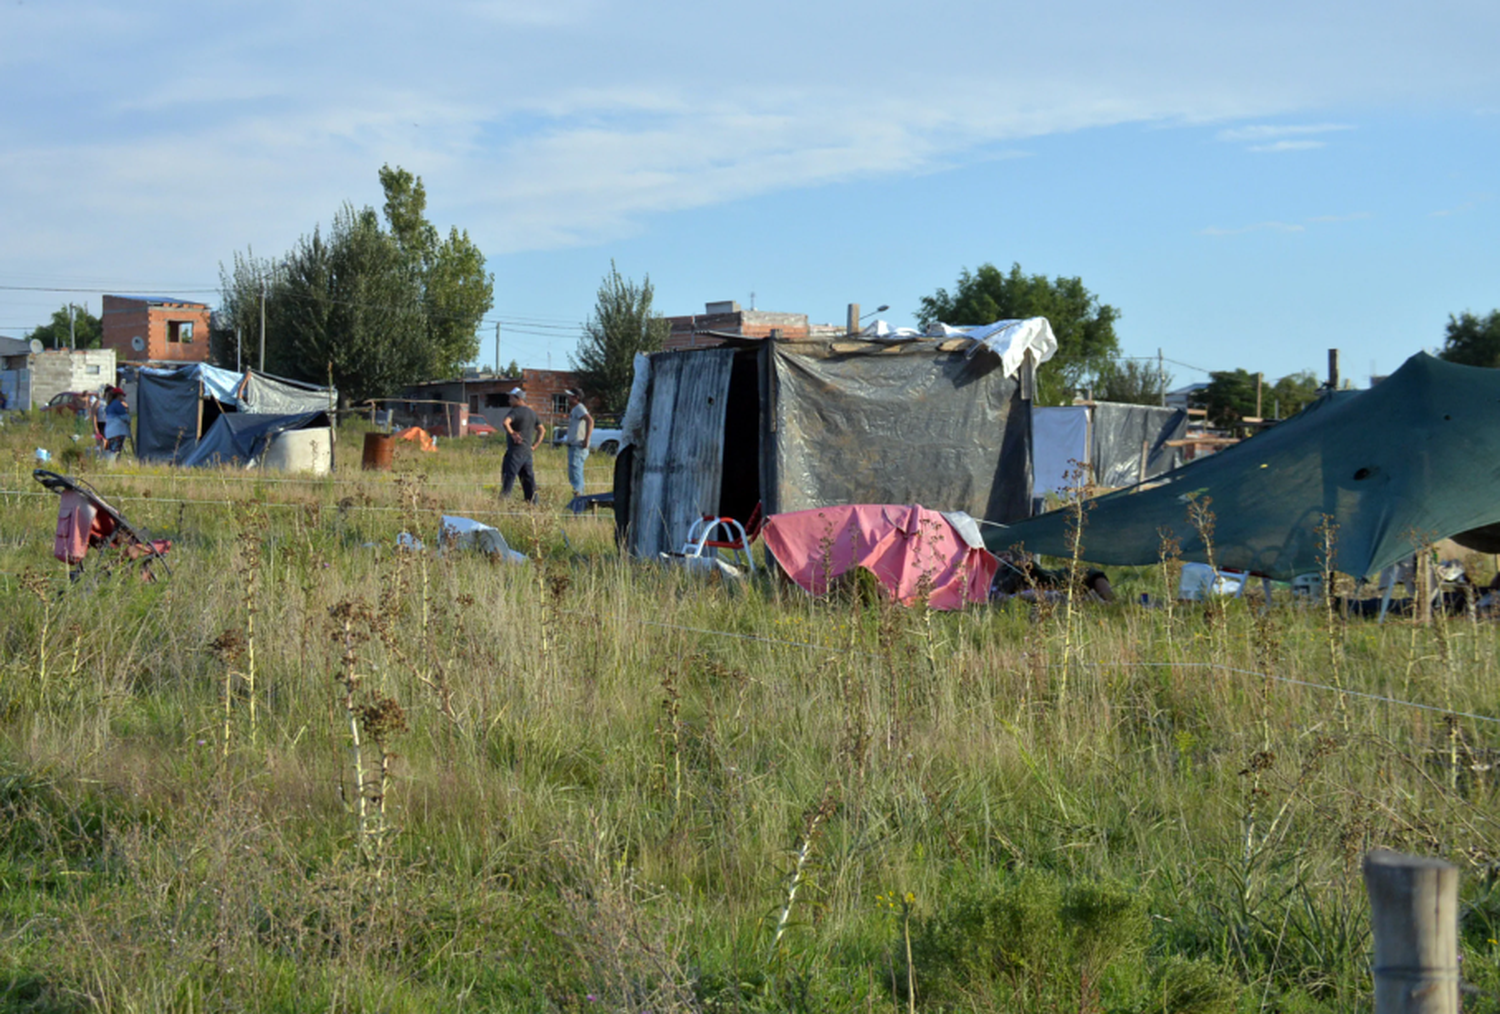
<point>602,439</point>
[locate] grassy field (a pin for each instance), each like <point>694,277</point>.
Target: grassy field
<point>310,772</point>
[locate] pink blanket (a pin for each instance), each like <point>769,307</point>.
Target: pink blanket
<point>911,550</point>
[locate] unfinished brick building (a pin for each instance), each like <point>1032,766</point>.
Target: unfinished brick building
<point>155,329</point>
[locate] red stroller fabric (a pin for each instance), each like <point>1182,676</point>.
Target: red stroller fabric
<point>911,550</point>
<point>79,525</point>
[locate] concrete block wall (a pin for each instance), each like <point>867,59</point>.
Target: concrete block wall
<point>54,372</point>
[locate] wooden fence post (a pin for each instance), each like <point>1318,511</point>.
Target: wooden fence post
<point>1414,916</point>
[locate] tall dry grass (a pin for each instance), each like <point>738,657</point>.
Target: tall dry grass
<point>616,786</point>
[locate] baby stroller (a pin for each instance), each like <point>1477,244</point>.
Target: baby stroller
<point>86,521</point>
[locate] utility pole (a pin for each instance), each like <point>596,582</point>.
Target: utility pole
<point>1161,377</point>
<point>263,324</point>
<point>72,336</point>
<point>1260,379</point>
<point>1333,369</point>
<point>497,348</point>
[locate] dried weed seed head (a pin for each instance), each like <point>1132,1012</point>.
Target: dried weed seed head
<point>229,646</point>
<point>382,718</point>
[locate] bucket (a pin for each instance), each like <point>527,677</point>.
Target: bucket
<point>379,447</point>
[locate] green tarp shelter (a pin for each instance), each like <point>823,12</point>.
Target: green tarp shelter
<point>1417,456</point>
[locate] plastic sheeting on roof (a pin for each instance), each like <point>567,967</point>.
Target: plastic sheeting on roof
<point>1008,339</point>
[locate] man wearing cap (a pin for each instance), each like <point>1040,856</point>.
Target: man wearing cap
<point>523,432</point>
<point>580,432</point>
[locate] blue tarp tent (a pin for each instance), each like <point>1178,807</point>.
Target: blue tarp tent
<point>242,437</point>
<point>176,405</point>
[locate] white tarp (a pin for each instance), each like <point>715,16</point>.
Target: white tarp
<point>466,533</point>
<point>1008,339</point>
<point>1059,439</point>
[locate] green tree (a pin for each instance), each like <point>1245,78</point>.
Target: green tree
<point>1085,327</point>
<point>1230,395</point>
<point>1132,381</point>
<point>1290,394</point>
<point>380,306</point>
<point>1473,341</point>
<point>623,324</point>
<point>87,330</point>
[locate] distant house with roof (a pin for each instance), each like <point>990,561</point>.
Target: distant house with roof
<point>30,379</point>
<point>156,329</point>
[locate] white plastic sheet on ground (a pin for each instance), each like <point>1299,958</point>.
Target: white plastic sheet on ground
<point>466,533</point>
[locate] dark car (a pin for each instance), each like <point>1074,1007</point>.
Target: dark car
<point>69,403</point>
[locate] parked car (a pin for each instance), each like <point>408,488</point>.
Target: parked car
<point>606,440</point>
<point>70,403</point>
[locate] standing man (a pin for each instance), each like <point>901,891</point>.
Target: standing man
<point>580,432</point>
<point>523,432</point>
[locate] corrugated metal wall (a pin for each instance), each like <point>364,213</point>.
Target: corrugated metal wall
<point>680,468</point>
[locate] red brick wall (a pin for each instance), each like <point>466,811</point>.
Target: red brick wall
<point>688,331</point>
<point>124,319</point>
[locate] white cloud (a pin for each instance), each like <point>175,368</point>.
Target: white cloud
<point>557,122</point>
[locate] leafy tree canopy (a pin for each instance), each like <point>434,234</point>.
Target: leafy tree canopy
<point>1132,381</point>
<point>1230,396</point>
<point>1473,341</point>
<point>379,305</point>
<point>1085,327</point>
<point>87,333</point>
<point>623,324</point>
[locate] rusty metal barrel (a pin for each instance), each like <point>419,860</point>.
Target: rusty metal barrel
<point>379,449</point>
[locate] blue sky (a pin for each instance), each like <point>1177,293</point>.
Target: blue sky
<point>1249,185</point>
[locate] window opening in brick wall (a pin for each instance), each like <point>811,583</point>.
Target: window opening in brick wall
<point>179,331</point>
<point>559,404</point>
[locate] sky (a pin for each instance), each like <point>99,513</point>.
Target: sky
<point>1250,185</point>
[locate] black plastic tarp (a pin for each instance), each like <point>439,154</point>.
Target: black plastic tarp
<point>1120,432</point>
<point>242,437</point>
<point>904,425</point>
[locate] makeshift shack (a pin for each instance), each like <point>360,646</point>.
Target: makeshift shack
<point>1118,444</point>
<point>793,425</point>
<point>177,406</point>
<point>1412,458</point>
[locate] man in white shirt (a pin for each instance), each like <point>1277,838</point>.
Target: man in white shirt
<point>580,431</point>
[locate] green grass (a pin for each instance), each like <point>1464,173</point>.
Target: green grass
<point>594,805</point>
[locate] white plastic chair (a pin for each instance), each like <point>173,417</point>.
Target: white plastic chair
<point>702,544</point>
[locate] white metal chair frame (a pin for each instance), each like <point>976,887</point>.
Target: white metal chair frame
<point>701,542</point>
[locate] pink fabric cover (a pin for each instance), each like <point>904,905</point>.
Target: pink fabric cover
<point>900,545</point>
<point>78,522</point>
